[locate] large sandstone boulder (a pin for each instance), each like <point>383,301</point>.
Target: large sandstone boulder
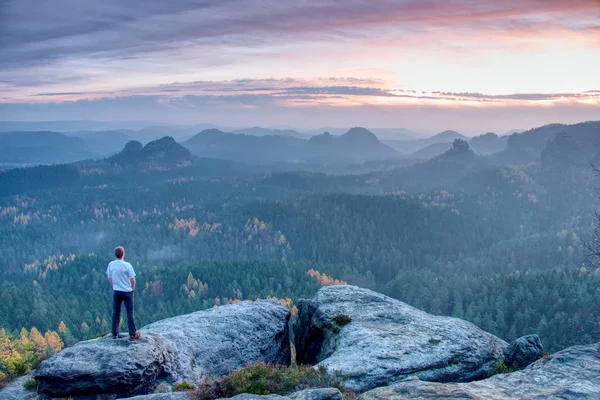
<point>107,366</point>
<point>573,373</point>
<point>213,342</point>
<point>388,340</point>
<point>225,339</point>
<point>523,351</point>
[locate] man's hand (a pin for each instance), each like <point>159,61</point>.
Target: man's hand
<point>132,280</point>
<point>110,281</point>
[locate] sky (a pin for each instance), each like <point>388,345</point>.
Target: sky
<point>426,65</point>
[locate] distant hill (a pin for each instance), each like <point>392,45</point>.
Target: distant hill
<point>178,132</point>
<point>258,131</point>
<point>512,131</point>
<point>161,154</point>
<point>431,151</point>
<point>136,163</point>
<point>42,147</point>
<point>528,146</point>
<point>382,133</point>
<point>488,143</point>
<point>244,148</point>
<point>447,136</point>
<point>104,142</point>
<point>442,171</point>
<point>358,144</point>
<point>414,145</point>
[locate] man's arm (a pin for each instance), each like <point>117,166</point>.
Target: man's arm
<point>132,277</point>
<point>108,275</point>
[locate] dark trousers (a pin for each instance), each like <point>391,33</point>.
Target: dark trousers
<point>127,298</point>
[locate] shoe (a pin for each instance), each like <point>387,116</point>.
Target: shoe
<point>135,337</point>
<point>117,336</point>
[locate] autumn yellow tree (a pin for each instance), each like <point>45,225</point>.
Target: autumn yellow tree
<point>323,279</point>
<point>38,341</point>
<point>4,343</point>
<point>54,341</point>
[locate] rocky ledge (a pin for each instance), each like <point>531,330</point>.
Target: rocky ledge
<point>573,373</point>
<point>368,338</point>
<point>308,394</point>
<point>387,340</point>
<point>213,342</point>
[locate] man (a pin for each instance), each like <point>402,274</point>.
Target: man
<point>122,279</point>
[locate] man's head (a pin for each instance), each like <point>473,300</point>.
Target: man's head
<point>120,252</point>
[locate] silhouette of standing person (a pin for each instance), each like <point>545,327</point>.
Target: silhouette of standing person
<point>122,279</point>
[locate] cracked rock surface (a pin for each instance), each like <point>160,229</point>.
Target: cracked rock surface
<point>573,373</point>
<point>387,340</point>
<point>213,342</point>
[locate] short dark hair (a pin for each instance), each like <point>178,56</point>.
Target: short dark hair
<point>119,252</point>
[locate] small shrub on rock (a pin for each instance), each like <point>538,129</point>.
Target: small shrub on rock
<point>31,384</point>
<point>263,379</point>
<point>183,387</point>
<point>544,355</point>
<point>501,368</point>
<point>434,341</point>
<point>342,319</point>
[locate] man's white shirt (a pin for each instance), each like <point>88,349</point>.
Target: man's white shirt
<point>120,272</point>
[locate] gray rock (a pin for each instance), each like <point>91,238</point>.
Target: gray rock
<point>219,341</point>
<point>16,391</point>
<point>106,365</point>
<point>308,394</point>
<point>248,396</point>
<point>163,396</point>
<point>212,342</point>
<point>523,351</point>
<point>573,373</point>
<point>388,340</point>
<point>317,394</point>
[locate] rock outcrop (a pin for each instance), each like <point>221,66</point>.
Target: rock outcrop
<point>163,396</point>
<point>366,337</point>
<point>388,340</point>
<point>213,342</point>
<point>308,394</point>
<point>16,391</point>
<point>573,373</point>
<point>107,366</point>
<point>523,351</point>
<point>317,394</point>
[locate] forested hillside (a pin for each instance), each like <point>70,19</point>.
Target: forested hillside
<point>502,246</point>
